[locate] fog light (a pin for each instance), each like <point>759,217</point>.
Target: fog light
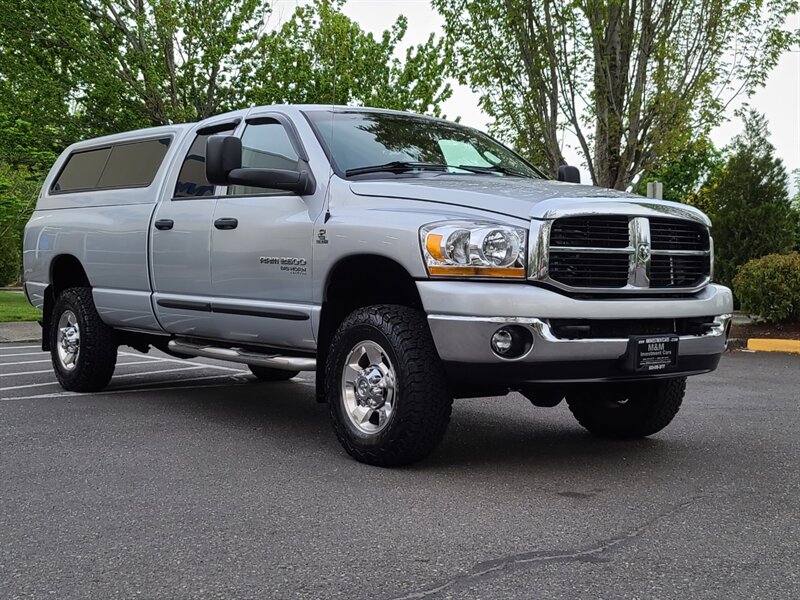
<point>512,341</point>
<point>502,340</point>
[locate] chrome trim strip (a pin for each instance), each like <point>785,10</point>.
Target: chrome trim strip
<point>633,206</point>
<point>639,262</point>
<point>544,330</point>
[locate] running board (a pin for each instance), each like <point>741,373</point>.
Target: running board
<point>248,357</point>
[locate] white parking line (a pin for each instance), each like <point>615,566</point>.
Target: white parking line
<point>138,362</point>
<point>29,385</point>
<point>23,354</point>
<point>237,380</point>
<point>30,362</point>
<point>25,362</point>
<point>161,371</point>
<point>184,362</point>
<point>17,348</point>
<point>26,373</point>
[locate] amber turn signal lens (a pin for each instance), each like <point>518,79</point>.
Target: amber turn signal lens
<point>433,244</point>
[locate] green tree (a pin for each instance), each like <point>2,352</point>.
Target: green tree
<point>796,207</point>
<point>749,201</point>
<point>18,190</point>
<point>92,67</point>
<point>685,176</point>
<point>322,56</point>
<point>633,80</point>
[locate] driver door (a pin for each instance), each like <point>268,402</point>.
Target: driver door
<point>261,243</point>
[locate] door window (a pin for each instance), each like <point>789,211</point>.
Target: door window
<point>266,146</point>
<point>192,182</point>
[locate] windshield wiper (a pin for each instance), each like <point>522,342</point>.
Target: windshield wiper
<point>492,169</point>
<point>396,166</point>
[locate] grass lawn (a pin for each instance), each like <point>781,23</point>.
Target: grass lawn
<point>14,307</point>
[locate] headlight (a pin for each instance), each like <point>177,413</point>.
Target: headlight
<point>473,249</point>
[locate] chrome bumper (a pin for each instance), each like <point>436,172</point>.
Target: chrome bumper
<point>467,340</point>
<point>463,316</point>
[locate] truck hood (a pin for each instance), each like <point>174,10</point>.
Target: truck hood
<point>518,197</point>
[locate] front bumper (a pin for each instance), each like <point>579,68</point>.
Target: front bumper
<point>463,316</point>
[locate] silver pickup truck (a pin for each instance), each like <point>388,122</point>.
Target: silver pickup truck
<point>407,260</point>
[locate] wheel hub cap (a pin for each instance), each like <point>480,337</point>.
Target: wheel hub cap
<point>368,387</point>
<point>68,340</point>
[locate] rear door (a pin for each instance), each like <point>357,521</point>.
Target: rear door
<point>181,244</point>
<point>261,243</point>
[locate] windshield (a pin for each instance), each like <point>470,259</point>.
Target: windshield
<point>375,144</point>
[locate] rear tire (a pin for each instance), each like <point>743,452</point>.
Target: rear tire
<point>628,411</point>
<point>269,374</point>
<point>83,348</point>
<point>386,386</point>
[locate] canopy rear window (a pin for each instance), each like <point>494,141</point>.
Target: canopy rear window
<point>124,165</point>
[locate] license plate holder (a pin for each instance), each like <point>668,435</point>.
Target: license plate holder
<point>652,353</point>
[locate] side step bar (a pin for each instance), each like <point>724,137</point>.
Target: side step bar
<point>248,357</point>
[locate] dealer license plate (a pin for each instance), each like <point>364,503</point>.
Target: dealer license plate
<point>651,354</point>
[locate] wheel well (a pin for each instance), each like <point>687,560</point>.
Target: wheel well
<point>355,282</point>
<point>66,271</point>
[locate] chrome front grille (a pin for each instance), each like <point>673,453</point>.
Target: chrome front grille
<point>621,253</point>
<point>605,232</point>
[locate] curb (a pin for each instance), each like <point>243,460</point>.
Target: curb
<point>736,344</point>
<point>20,331</point>
<point>773,345</point>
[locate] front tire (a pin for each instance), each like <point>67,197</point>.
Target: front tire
<point>628,411</point>
<point>83,348</point>
<point>386,386</point>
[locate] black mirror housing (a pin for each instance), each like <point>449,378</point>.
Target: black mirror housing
<point>223,155</point>
<point>224,167</point>
<point>299,182</point>
<point>569,174</point>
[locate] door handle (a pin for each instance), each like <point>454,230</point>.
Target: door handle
<point>226,223</point>
<point>164,224</point>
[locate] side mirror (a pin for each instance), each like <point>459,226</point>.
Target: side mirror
<point>224,167</point>
<point>223,155</point>
<point>569,174</point>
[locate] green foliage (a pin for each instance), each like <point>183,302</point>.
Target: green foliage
<point>770,287</point>
<point>321,56</point>
<point>749,202</point>
<point>635,82</point>
<point>683,177</point>
<point>93,67</point>
<point>18,190</point>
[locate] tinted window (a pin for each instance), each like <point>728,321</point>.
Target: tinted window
<point>123,165</point>
<point>82,171</point>
<point>134,165</point>
<point>192,180</point>
<point>266,146</point>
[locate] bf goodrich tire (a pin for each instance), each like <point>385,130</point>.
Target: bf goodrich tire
<point>269,374</point>
<point>83,348</point>
<point>386,386</point>
<point>628,411</point>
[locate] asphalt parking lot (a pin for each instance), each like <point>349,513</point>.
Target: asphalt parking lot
<point>193,480</point>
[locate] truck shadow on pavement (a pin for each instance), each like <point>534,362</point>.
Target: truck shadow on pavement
<point>483,433</point>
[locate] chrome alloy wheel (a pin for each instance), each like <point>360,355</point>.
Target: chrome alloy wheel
<point>68,341</point>
<point>368,387</point>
